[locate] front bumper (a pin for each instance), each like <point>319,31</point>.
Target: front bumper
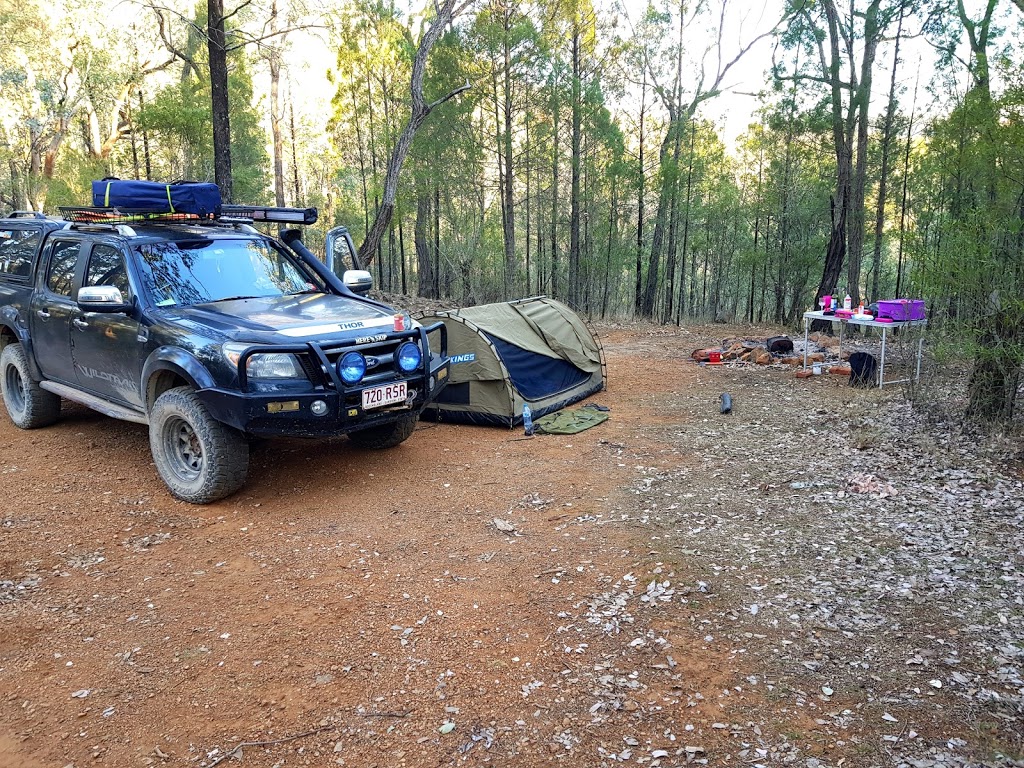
<point>329,408</point>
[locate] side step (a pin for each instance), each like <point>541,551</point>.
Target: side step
<point>96,403</point>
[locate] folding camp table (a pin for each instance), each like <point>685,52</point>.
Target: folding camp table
<point>885,327</point>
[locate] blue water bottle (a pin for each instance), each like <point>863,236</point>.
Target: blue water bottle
<point>527,420</point>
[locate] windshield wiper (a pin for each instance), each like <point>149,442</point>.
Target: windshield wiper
<point>233,298</point>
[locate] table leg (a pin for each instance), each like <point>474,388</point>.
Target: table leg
<point>881,364</point>
<point>920,351</point>
<point>807,324</point>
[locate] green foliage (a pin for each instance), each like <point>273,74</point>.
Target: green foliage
<point>968,249</point>
<point>177,120</point>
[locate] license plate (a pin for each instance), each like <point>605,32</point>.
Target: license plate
<point>386,394</point>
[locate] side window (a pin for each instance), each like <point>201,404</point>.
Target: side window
<point>106,267</point>
<point>60,275</point>
<point>17,248</point>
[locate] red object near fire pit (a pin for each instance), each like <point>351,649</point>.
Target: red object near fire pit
<point>715,358</point>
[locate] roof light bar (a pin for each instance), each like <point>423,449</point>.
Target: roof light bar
<point>269,214</point>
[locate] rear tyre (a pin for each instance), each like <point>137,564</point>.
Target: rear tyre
<point>198,458</point>
<point>386,436</point>
<point>29,405</point>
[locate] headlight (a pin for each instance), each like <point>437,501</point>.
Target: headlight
<point>274,366</point>
<point>266,365</point>
<point>351,367</point>
<point>408,357</point>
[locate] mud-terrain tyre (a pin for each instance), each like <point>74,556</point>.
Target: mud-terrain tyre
<point>29,405</point>
<point>386,436</point>
<point>198,458</point>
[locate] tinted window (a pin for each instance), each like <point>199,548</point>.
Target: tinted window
<point>106,267</point>
<point>60,276</point>
<point>199,271</point>
<point>17,249</point>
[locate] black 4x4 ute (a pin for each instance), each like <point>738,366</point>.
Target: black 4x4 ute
<point>208,332</point>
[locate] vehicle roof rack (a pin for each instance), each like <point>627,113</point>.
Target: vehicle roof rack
<point>229,214</point>
<point>94,215</point>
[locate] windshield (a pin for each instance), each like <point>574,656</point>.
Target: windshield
<point>201,271</point>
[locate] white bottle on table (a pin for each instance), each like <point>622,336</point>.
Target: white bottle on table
<point>847,302</point>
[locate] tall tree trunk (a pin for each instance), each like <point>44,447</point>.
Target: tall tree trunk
<point>145,143</point>
<point>526,202</point>
<point>757,234</point>
<point>554,192</point>
<point>835,254</point>
<point>437,241</point>
<point>363,170</point>
<point>673,216</point>
<point>903,201</point>
<point>219,97</point>
<point>507,182</point>
<point>641,185</point>
<point>883,180</point>
<point>613,232</point>
<point>574,203</point>
<point>424,263</point>
<point>401,255</point>
<point>660,221</point>
<point>274,61</point>
<point>683,305</point>
<point>862,97</point>
<point>295,153</point>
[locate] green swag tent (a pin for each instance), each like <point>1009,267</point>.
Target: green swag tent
<point>535,352</point>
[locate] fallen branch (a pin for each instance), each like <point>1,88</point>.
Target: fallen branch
<point>270,743</point>
<point>388,714</point>
<point>297,736</point>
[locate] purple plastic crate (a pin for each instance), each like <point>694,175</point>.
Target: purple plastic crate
<point>901,310</point>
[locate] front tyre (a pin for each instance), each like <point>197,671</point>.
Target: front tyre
<point>29,405</point>
<point>386,436</point>
<point>198,458</point>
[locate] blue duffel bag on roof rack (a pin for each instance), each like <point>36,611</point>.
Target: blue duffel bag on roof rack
<point>191,198</point>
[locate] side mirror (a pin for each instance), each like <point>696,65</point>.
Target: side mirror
<point>358,281</point>
<point>102,298</point>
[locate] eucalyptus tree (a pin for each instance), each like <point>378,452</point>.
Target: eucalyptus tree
<point>976,266</point>
<point>63,84</point>
<point>177,120</point>
<point>507,42</point>
<point>687,57</point>
<point>224,30</point>
<point>449,164</point>
<point>419,109</point>
<point>372,64</point>
<point>839,46</point>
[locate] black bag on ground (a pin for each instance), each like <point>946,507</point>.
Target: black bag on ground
<point>780,345</point>
<point>863,370</point>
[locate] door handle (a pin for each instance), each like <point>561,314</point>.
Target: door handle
<point>79,323</point>
<point>43,314</point>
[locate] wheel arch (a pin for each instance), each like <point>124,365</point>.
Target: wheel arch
<point>13,331</point>
<point>167,368</point>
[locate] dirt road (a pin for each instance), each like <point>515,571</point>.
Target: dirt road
<point>654,604</point>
